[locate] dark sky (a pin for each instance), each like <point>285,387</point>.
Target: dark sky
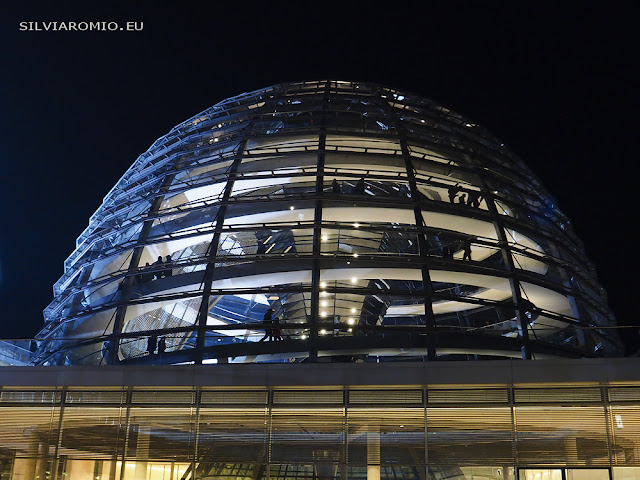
<point>556,83</point>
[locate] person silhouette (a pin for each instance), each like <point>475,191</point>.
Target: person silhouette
<point>262,247</point>
<point>467,250</point>
<point>146,276</point>
<point>162,345</point>
<point>152,343</point>
<point>276,332</point>
<point>453,191</point>
<point>474,199</point>
<point>335,186</point>
<point>158,262</point>
<point>168,272</point>
<point>268,320</point>
<point>106,345</point>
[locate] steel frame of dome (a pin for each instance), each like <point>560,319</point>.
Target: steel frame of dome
<point>376,224</point>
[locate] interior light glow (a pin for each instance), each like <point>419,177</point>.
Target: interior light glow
<point>350,330</point>
<point>619,423</point>
<point>323,331</point>
<point>303,337</point>
<point>248,227</point>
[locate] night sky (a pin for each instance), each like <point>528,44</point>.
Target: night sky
<point>556,84</point>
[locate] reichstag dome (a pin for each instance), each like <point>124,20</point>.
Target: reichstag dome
<point>326,221</point>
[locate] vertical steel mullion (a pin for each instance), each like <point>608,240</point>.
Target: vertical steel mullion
<point>513,277</point>
<point>196,441</point>
<point>425,398</point>
<point>508,259</point>
<point>317,250</point>
<point>269,427</point>
<point>604,394</point>
<point>196,423</point>
<point>203,311</point>
<point>429,317</point>
<point>114,459</point>
<point>571,296</point>
<point>345,434</point>
<point>129,280</point>
<point>127,427</point>
<point>56,451</point>
<point>317,235</point>
<point>514,427</point>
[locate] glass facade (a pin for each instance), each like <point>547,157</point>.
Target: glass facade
<point>463,432</point>
<point>326,220</point>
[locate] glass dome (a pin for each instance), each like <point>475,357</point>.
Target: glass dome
<point>326,221</point>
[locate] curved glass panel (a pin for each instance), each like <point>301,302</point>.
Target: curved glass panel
<point>326,219</point>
